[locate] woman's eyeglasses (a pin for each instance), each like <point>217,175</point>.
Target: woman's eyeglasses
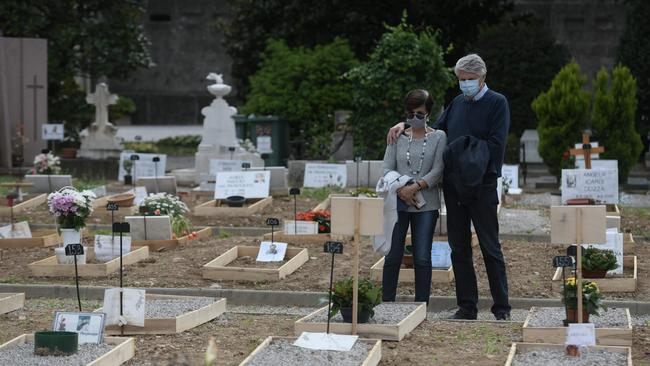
<point>418,115</point>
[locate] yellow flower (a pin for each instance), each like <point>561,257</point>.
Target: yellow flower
<point>571,281</point>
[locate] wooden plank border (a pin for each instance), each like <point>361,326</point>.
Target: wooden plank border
<point>49,267</point>
<point>174,325</point>
<point>519,347</point>
<point>608,284</point>
<point>407,275</point>
<point>24,206</point>
<point>373,358</point>
<point>123,351</point>
<point>217,268</point>
<point>557,335</point>
<point>157,245</point>
<point>214,208</point>
<point>389,332</point>
<point>10,302</point>
<point>39,239</point>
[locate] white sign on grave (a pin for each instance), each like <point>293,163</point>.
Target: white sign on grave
<point>107,247</point>
<point>292,227</point>
<point>52,131</point>
<point>144,167</point>
<point>264,145</point>
<point>601,185</point>
<point>271,251</point>
<point>140,195</point>
<point>16,230</point>
<point>89,326</point>
<point>220,165</point>
<point>599,164</point>
<point>511,173</point>
<point>594,156</point>
<point>133,306</point>
<point>440,254</point>
<point>249,184</point>
<point>615,244</point>
<point>326,341</point>
<point>325,175</point>
<point>581,334</point>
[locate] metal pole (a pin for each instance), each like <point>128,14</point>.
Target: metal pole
<point>76,280</point>
<point>329,304</point>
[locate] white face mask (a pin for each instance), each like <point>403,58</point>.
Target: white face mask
<point>469,87</point>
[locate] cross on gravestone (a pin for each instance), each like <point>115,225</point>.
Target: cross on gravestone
<point>101,99</point>
<point>587,150</point>
<point>35,86</point>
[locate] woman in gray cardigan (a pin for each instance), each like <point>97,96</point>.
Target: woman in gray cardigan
<point>418,154</point>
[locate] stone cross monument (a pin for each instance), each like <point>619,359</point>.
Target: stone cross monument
<point>99,141</point>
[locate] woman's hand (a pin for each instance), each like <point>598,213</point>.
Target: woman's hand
<point>407,194</point>
<point>394,133</point>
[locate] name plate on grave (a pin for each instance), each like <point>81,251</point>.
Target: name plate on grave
<point>324,175</point>
<point>601,185</point>
<point>220,165</point>
<point>292,227</point>
<point>248,184</point>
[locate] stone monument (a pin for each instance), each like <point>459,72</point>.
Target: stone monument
<point>99,141</point>
<point>219,137</point>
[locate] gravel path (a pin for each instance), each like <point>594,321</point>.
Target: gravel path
<point>174,308</point>
<point>519,221</point>
<point>283,352</point>
<point>385,313</point>
<point>558,358</point>
<point>553,317</point>
<point>24,355</point>
<point>516,315</point>
<point>270,310</point>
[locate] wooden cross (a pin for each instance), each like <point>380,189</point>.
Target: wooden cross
<point>34,86</point>
<point>587,150</point>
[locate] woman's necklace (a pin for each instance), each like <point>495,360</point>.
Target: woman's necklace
<point>408,154</point>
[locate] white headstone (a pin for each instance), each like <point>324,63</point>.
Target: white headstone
<point>144,167</point>
<point>249,184</point>
<point>530,141</point>
<point>325,175</point>
<point>48,183</point>
<point>155,227</point>
<point>99,141</point>
<point>601,185</point>
<point>511,173</point>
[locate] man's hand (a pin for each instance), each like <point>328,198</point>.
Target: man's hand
<point>407,194</point>
<point>394,133</point>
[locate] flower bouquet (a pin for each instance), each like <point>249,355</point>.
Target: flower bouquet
<point>592,300</point>
<point>158,204</point>
<point>322,217</point>
<point>46,164</point>
<point>71,208</point>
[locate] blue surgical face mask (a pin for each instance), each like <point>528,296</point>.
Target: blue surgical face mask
<point>469,87</point>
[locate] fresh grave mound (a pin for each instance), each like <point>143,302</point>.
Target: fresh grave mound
<point>385,313</point>
<point>158,308</point>
<point>23,354</point>
<point>553,317</point>
<point>557,357</point>
<point>250,262</point>
<point>283,352</point>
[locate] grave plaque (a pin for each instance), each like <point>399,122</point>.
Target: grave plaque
<point>249,184</point>
<point>600,185</point>
<point>324,175</point>
<point>292,227</point>
<point>157,227</point>
<point>143,167</point>
<point>52,132</point>
<point>511,172</point>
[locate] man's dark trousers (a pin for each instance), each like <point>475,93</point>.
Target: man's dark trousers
<point>483,213</point>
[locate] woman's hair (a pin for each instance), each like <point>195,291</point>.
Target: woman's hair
<point>417,98</point>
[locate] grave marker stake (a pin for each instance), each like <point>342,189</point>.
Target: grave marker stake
<point>579,262</point>
<point>245,166</point>
<point>156,159</point>
<point>112,207</point>
<point>563,261</point>
<point>134,158</point>
<point>74,250</point>
<point>357,160</point>
<point>294,192</point>
<point>272,222</point>
<point>232,150</point>
<point>333,247</point>
<point>121,227</point>
<point>264,157</point>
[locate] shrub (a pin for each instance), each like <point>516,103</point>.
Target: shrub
<point>562,112</point>
<point>369,296</point>
<point>613,117</point>
<point>403,60</point>
<point>598,259</point>
<point>304,87</point>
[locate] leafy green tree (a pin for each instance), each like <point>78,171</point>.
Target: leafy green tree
<point>91,38</point>
<point>312,22</point>
<point>562,112</point>
<point>613,117</point>
<point>304,86</point>
<point>634,52</point>
<point>403,60</point>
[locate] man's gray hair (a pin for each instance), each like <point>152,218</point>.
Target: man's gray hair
<point>471,63</point>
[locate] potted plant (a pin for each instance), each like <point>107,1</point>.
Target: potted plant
<point>369,297</point>
<point>157,204</point>
<point>46,164</point>
<point>596,262</point>
<point>71,209</point>
<point>127,164</point>
<point>592,300</point>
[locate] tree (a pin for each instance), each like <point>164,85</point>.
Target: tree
<point>562,112</point>
<point>312,22</point>
<point>613,116</point>
<point>634,52</point>
<point>403,60</point>
<point>304,86</point>
<point>91,38</point>
<point>522,58</point>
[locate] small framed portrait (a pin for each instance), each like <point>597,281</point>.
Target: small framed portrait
<point>90,326</point>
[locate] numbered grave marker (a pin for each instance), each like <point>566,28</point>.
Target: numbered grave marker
<point>563,261</point>
<point>112,206</point>
<point>334,247</point>
<point>74,249</point>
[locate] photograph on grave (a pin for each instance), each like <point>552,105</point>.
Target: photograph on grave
<point>271,251</point>
<point>89,326</point>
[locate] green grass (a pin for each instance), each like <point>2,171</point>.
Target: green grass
<point>10,279</point>
<point>223,234</point>
<point>321,194</point>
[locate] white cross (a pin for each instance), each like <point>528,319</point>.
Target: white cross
<point>101,99</point>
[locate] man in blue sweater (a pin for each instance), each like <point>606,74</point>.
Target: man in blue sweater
<point>483,114</point>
